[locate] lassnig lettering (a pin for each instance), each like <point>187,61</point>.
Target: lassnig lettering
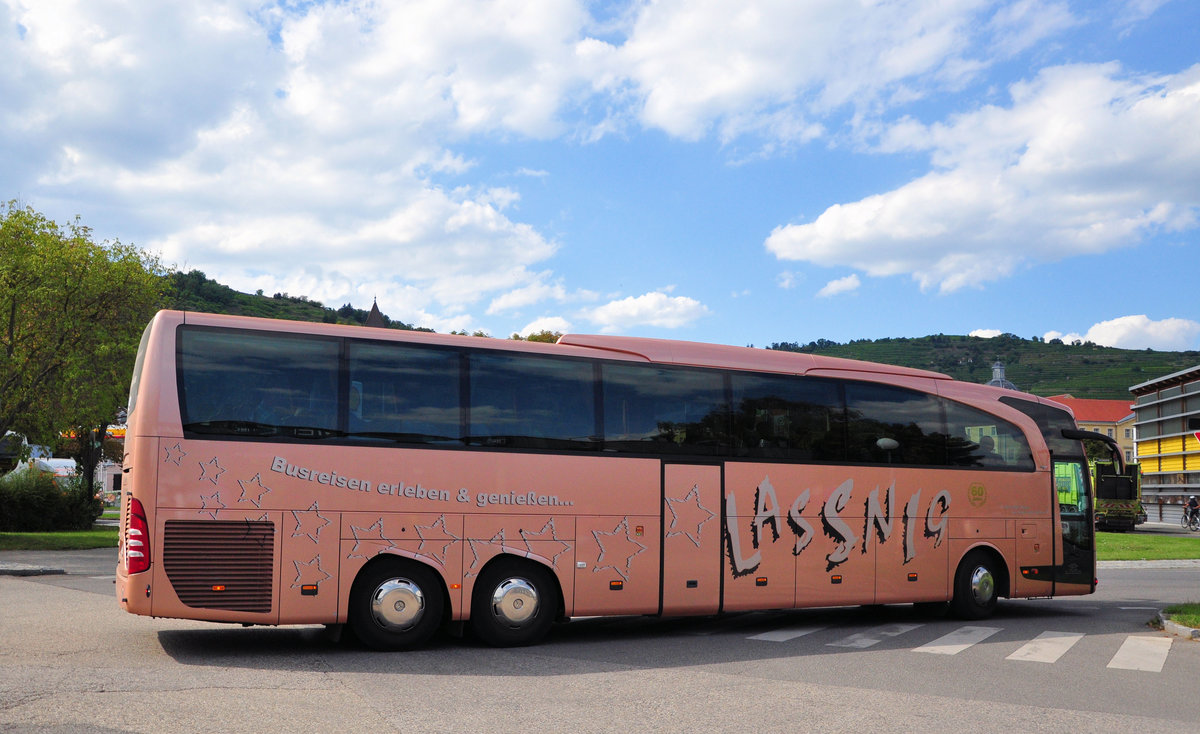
<point>878,523</point>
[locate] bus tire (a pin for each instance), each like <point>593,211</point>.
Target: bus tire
<point>395,604</point>
<point>976,586</point>
<point>514,603</point>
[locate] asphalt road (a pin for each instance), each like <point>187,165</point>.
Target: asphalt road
<point>71,661</point>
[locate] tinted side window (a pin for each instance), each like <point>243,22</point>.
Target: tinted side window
<point>980,439</point>
<point>664,410</point>
<point>531,402</point>
<point>403,393</point>
<point>892,425</point>
<point>1051,421</point>
<point>777,416</point>
<point>257,384</point>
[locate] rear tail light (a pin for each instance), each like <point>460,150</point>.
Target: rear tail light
<point>137,539</point>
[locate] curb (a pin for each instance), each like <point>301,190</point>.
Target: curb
<point>24,569</point>
<point>1176,629</point>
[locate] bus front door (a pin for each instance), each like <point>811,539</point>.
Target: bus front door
<point>691,578</point>
<point>1076,552</point>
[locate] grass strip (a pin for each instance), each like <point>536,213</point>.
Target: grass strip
<point>97,537</point>
<point>1145,547</point>
<point>1186,614</point>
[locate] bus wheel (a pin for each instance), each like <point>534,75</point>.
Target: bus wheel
<point>975,589</point>
<point>513,603</point>
<point>395,605</point>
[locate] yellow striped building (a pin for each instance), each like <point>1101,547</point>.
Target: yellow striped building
<point>1168,435</point>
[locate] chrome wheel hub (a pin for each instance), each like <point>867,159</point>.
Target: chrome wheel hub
<point>514,602</point>
<point>983,586</point>
<point>397,604</point>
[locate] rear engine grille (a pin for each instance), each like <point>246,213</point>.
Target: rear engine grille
<point>221,564</point>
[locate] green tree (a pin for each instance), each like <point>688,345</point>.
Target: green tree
<point>546,336</point>
<point>71,313</point>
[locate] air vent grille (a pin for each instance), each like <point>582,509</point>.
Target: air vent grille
<point>221,564</point>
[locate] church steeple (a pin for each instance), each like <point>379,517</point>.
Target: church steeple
<point>375,318</point>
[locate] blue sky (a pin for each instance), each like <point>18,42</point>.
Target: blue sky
<point>742,173</point>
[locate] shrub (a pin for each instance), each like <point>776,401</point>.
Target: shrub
<point>32,501</point>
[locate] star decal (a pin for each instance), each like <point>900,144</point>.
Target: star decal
<point>687,513</point>
<point>309,522</point>
<point>370,534</point>
<point>548,532</point>
<point>211,504</point>
<point>497,539</point>
<point>256,534</point>
<point>429,535</point>
<point>211,470</point>
<point>174,454</point>
<point>621,549</point>
<point>253,490</point>
<point>310,572</point>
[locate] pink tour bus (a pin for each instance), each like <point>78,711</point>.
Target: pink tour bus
<point>394,482</point>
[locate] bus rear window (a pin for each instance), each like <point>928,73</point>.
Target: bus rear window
<point>138,364</point>
<point>245,383</point>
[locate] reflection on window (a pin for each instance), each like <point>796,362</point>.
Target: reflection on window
<point>403,393</point>
<point>255,384</point>
<point>976,438</point>
<point>531,402</point>
<point>891,425</point>
<point>787,418</point>
<point>661,410</point>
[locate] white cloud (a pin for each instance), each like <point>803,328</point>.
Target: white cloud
<point>1021,25</point>
<point>1040,180</point>
<point>986,333</point>
<point>535,292</point>
<point>310,147</point>
<point>775,67</point>
<point>651,309</point>
<point>554,324</point>
<point>1138,332</point>
<point>291,147</point>
<point>848,284</point>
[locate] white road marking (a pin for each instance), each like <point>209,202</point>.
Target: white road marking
<point>1047,647</point>
<point>874,636</point>
<point>1142,653</point>
<point>785,634</point>
<point>958,640</point>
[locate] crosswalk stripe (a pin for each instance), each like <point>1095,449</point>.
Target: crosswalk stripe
<point>874,636</point>
<point>958,640</point>
<point>1047,647</point>
<point>785,634</point>
<point>1142,653</point>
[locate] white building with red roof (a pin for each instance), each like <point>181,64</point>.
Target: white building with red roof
<point>1114,418</point>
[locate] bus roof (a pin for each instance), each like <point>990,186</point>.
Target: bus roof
<point>662,351</point>
<point>717,355</point>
